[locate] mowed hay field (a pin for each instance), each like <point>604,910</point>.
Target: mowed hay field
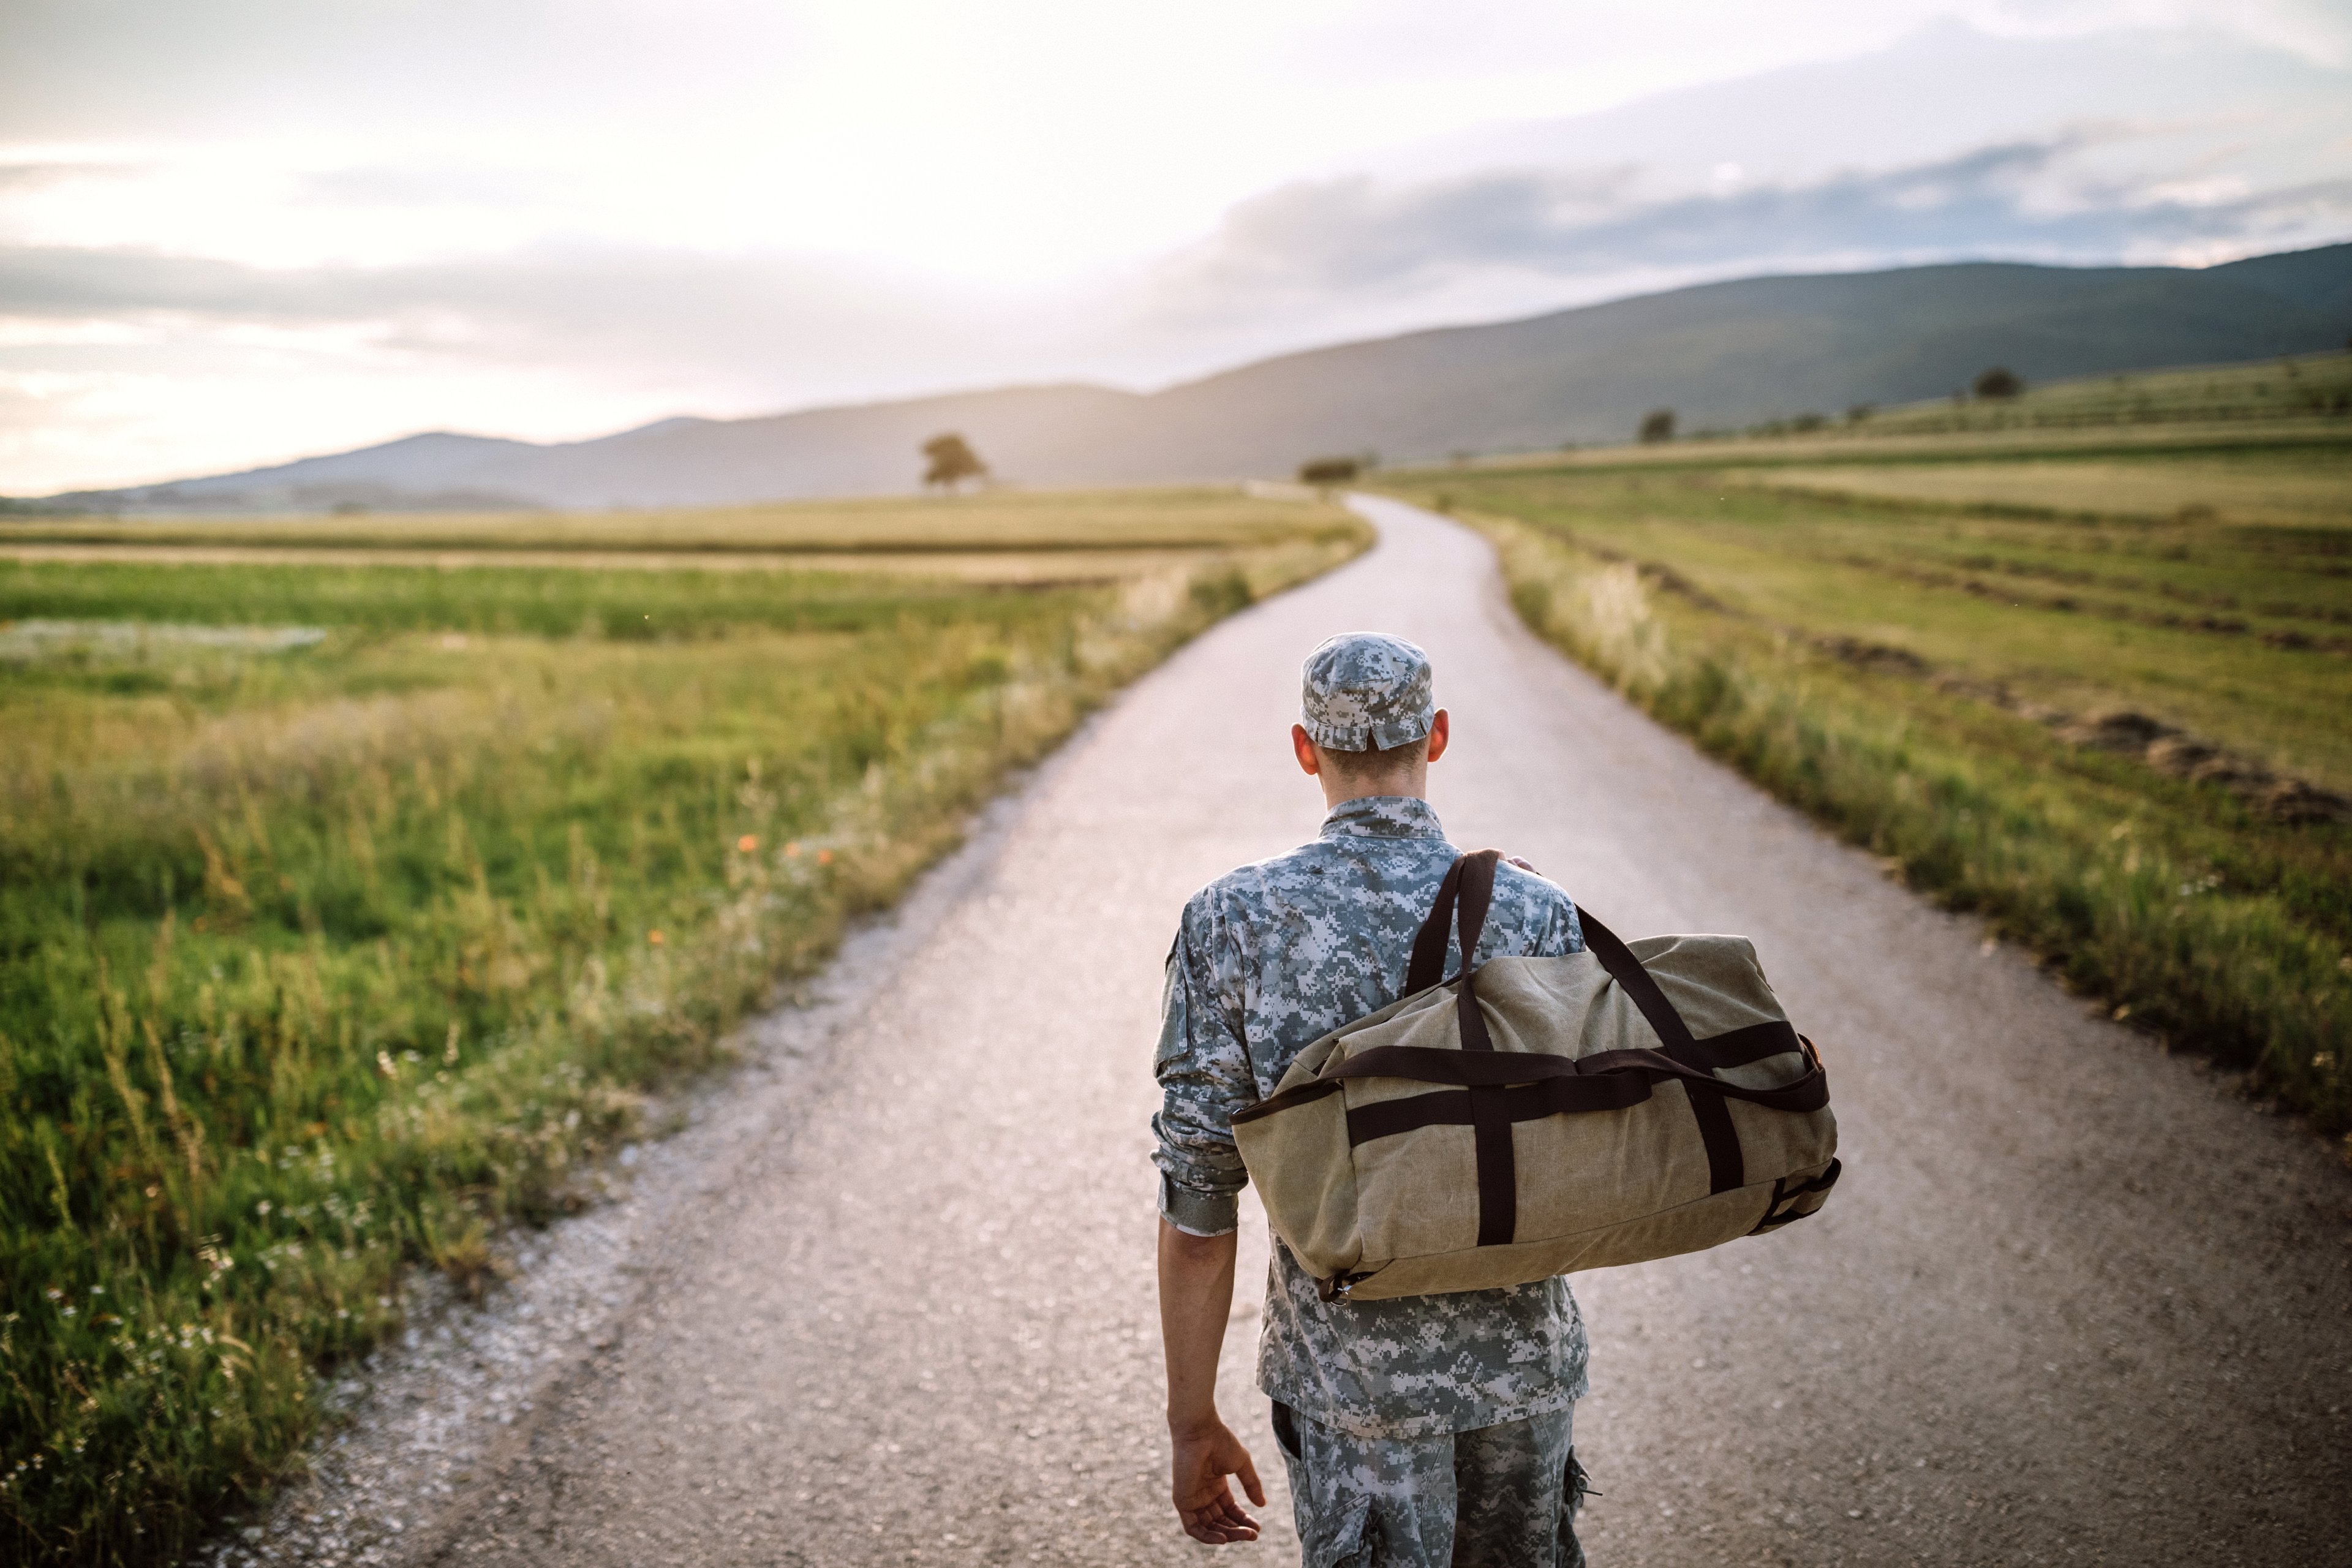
<point>997,536</point>
<point>349,910</point>
<point>2293,487</point>
<point>2102,700</point>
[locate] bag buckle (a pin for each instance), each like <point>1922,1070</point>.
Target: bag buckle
<point>1788,1200</point>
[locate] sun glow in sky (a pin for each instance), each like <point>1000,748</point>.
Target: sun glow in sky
<point>238,232</point>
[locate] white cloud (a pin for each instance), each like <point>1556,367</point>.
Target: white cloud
<point>542,216</point>
<point>1386,253</point>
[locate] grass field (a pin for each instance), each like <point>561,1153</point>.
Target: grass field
<point>2103,702</point>
<point>2292,487</point>
<point>1077,523</point>
<point>1010,537</point>
<point>348,912</point>
<point>2270,406</point>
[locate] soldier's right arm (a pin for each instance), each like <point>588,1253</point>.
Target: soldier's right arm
<point>1203,1067</point>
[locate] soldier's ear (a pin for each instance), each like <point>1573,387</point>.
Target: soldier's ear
<point>1302,746</point>
<point>1440,730</point>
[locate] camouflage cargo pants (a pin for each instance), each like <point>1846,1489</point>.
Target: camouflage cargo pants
<point>1498,1497</point>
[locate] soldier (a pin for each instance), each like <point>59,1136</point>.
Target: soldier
<point>1417,1430</point>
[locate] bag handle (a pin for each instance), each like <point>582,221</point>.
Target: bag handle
<point>1638,983</point>
<point>1427,967</point>
<point>1465,895</point>
<point>1469,885</point>
<point>1726,1167</point>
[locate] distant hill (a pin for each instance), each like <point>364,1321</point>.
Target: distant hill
<point>674,462</point>
<point>1721,354</point>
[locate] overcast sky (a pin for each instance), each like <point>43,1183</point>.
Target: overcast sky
<point>236,231</point>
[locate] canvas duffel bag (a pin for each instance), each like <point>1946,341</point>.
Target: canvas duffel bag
<point>1542,1115</point>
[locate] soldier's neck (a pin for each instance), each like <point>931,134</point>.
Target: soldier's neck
<point>1337,794</point>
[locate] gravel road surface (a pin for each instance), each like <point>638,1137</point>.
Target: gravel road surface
<point>2074,1302</point>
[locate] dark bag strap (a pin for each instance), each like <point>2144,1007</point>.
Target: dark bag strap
<point>1726,1166</point>
<point>1419,1063</point>
<point>1428,965</point>
<point>1641,987</point>
<point>1572,1079</point>
<point>1463,900</point>
<point>1469,885</point>
<point>1490,1110</point>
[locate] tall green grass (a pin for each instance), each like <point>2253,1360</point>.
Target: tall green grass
<point>620,604</point>
<point>2232,631</point>
<point>2177,902</point>
<point>316,966</point>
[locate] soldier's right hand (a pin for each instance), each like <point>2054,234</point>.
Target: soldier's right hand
<point>1204,1500</point>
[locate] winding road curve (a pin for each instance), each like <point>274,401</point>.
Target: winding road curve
<point>2073,1303</point>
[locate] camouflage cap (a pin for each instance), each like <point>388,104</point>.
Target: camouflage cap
<point>1361,689</point>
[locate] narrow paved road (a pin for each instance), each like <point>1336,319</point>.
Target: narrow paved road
<point>2073,1303</point>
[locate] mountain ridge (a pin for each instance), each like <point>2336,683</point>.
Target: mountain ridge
<point>1724,353</point>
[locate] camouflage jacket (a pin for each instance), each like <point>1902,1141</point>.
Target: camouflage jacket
<point>1268,959</point>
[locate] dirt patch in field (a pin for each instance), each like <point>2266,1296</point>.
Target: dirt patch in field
<point>2177,754</point>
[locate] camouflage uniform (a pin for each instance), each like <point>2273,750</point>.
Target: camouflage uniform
<point>1496,1496</point>
<point>1268,959</point>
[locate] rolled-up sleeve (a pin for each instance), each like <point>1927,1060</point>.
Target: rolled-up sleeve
<point>1203,1065</point>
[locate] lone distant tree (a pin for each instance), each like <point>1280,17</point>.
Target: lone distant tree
<point>1658,425</point>
<point>950,461</point>
<point>1329,470</point>
<point>1999,382</point>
